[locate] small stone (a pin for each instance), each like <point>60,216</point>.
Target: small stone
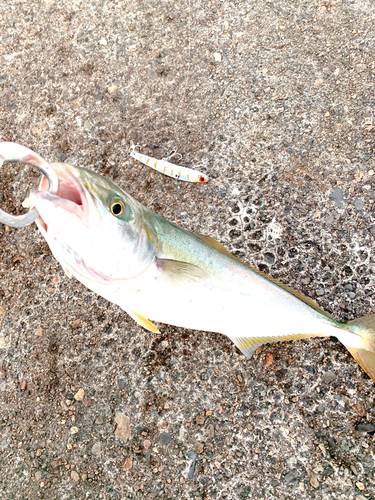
<point>165,439</point>
<point>121,383</point>
<point>103,41</point>
<point>360,486</point>
<point>128,464</point>
<point>360,409</point>
<point>76,323</point>
<point>217,56</point>
<point>80,395</point>
<point>306,281</point>
<point>337,196</point>
<point>366,427</point>
<point>38,475</point>
<point>39,128</point>
<point>269,359</point>
<point>83,477</point>
<point>200,419</point>
<point>99,420</point>
<point>123,426</point>
<point>314,481</point>
<point>370,173</point>
<point>152,74</point>
<point>23,385</point>
<point>210,431</point>
<point>291,476</point>
<point>329,377</point>
<point>360,497</point>
<point>146,444</point>
<point>75,476</point>
<point>359,204</point>
<point>198,447</point>
<point>318,81</point>
<point>113,89</point>
<point>74,430</point>
<point>217,464</point>
<point>96,448</point>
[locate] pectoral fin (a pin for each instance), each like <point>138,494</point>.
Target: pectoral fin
<point>141,320</point>
<point>180,273</point>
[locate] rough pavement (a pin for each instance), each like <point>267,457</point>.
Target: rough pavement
<point>275,101</point>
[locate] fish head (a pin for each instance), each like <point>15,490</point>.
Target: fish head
<point>95,230</point>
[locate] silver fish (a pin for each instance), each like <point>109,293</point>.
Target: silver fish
<point>158,272</point>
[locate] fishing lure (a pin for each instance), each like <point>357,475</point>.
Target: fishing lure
<point>166,168</point>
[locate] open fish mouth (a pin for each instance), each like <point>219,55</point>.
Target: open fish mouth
<point>71,196</point>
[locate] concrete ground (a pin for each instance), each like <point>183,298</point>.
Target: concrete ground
<point>275,101</point>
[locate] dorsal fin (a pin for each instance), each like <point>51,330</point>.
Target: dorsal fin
<point>218,246</point>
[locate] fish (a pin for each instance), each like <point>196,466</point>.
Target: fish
<point>170,169</point>
<point>159,272</point>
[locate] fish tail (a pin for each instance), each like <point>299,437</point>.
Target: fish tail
<point>361,342</point>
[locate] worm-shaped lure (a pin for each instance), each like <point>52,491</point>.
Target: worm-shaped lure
<point>166,168</point>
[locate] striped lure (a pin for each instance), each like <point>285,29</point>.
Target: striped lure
<point>166,168</point>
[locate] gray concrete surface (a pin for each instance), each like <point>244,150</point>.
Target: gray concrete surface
<point>275,101</point>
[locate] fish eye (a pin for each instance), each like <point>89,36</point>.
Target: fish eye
<point>117,208</point>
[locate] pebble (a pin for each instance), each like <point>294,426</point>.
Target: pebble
<point>123,427</point>
<point>75,476</point>
<point>128,464</point>
<point>113,89</point>
<point>360,486</point>
<point>23,385</point>
<point>360,409</point>
<point>217,56</point>
<point>318,81</point>
<point>210,431</point>
<point>291,476</point>
<point>146,444</point>
<point>165,439</point>
<point>337,196</point>
<point>38,475</point>
<point>193,458</point>
<point>152,74</point>
<point>198,447</point>
<point>96,448</point>
<point>366,427</point>
<point>314,481</point>
<point>359,204</point>
<point>39,128</point>
<point>103,41</point>
<point>360,497</point>
<point>76,323</point>
<point>200,419</point>
<point>329,377</point>
<point>80,395</point>
<point>269,359</point>
<point>74,430</point>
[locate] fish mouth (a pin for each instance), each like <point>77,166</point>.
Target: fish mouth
<point>71,195</point>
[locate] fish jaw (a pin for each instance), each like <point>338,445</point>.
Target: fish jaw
<point>89,242</point>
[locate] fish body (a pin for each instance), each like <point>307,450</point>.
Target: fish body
<point>159,272</point>
<point>170,169</point>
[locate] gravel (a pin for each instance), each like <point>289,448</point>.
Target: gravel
<point>274,100</point>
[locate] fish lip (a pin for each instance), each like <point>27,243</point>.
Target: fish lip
<point>71,195</point>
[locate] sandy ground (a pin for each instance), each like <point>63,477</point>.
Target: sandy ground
<point>275,101</point>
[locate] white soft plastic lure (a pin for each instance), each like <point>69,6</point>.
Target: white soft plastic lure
<point>167,168</point>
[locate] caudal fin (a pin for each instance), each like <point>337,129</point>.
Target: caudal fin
<point>363,347</point>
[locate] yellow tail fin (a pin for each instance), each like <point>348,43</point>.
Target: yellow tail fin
<point>364,352</point>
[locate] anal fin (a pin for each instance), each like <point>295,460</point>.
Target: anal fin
<point>247,345</point>
<point>141,320</point>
